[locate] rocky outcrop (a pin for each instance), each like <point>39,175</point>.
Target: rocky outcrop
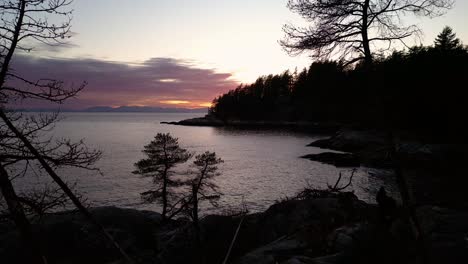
<point>199,121</point>
<point>336,159</point>
<point>362,148</point>
<point>372,149</point>
<point>348,140</point>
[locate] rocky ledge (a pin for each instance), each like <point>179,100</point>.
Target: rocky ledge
<point>328,228</point>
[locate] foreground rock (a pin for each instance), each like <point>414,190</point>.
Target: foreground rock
<point>69,238</point>
<point>333,229</point>
<point>286,229</point>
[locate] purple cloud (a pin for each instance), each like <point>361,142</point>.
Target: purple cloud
<point>155,82</point>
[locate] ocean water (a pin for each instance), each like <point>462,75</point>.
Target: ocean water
<point>260,166</point>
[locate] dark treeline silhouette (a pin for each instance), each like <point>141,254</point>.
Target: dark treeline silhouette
<point>421,88</point>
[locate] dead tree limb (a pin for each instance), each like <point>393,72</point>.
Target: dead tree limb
<point>62,184</point>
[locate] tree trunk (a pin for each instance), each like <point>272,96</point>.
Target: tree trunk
<point>195,212</point>
<point>365,36</point>
<point>164,195</point>
<point>196,225</point>
<point>19,217</point>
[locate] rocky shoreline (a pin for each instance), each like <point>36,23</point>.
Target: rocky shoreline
<point>435,170</point>
<point>215,122</point>
<point>329,228</point>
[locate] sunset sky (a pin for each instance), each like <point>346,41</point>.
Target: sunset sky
<point>176,53</point>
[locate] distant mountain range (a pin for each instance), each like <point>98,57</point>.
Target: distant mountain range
<point>124,109</point>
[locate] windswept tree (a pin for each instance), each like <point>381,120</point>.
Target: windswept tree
<point>162,155</point>
<point>25,146</point>
<point>349,29</point>
<point>203,187</point>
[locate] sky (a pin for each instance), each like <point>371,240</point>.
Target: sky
<point>179,53</point>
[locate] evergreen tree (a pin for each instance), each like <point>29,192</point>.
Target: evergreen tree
<point>163,154</point>
<point>447,40</point>
<point>203,188</point>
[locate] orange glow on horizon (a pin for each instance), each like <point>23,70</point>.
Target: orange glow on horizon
<point>188,104</point>
<point>205,104</point>
<point>174,102</point>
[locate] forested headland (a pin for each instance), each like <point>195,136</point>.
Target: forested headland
<point>418,89</point>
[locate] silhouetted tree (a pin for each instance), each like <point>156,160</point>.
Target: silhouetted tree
<point>447,40</point>
<point>162,155</point>
<point>203,189</point>
<point>349,28</point>
<point>24,144</point>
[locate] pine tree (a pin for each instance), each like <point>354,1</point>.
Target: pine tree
<point>203,188</point>
<point>163,154</point>
<point>447,40</point>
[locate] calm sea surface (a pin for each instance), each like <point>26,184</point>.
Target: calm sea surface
<point>261,166</point>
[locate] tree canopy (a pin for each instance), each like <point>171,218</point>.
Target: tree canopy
<point>348,30</point>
